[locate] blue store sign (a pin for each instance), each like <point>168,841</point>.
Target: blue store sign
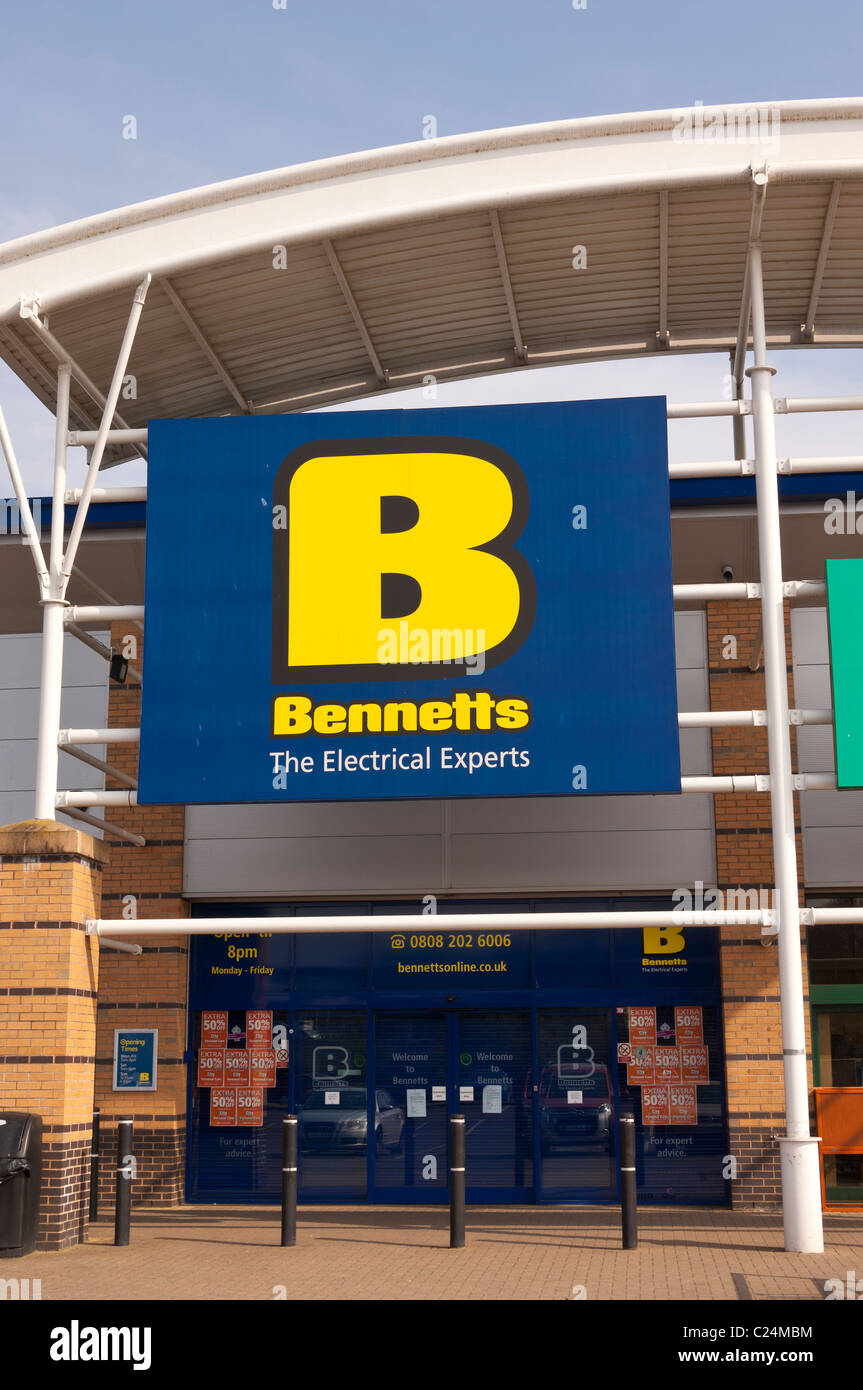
<point>421,603</point>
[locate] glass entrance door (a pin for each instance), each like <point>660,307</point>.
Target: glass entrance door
<point>575,1095</point>
<point>493,1089</point>
<point>539,1113</point>
<point>411,1112</point>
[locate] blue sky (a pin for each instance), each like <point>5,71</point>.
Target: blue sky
<point>222,89</point>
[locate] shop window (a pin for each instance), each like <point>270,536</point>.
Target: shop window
<point>836,952</point>
<point>840,1046</point>
<point>843,1179</point>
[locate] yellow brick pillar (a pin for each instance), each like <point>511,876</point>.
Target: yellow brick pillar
<point>50,883</point>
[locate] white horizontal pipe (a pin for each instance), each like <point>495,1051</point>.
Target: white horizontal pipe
<point>104,612</point>
<point>88,437</point>
<point>833,916</point>
<point>798,588</point>
<point>732,718</point>
<point>727,468</point>
<point>814,781</point>
<point>107,494</point>
<point>421,922</point>
<point>96,798</point>
<point>810,716</point>
<point>752,782</point>
<point>740,468</point>
<point>799,405</point>
<point>693,410</point>
<point>716,591</point>
<point>847,463</point>
<point>99,736</point>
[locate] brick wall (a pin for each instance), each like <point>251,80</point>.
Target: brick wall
<point>50,884</point>
<point>148,991</point>
<point>744,860</point>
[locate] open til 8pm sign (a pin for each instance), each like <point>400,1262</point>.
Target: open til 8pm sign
<point>419,603</point>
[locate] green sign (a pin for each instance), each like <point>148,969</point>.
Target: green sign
<point>845,620</point>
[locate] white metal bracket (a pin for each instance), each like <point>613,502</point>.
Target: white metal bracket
<point>29,306</point>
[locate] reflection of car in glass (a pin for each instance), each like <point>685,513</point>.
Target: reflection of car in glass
<point>567,1124</point>
<point>324,1128</point>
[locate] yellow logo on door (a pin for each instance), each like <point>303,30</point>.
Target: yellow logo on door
<point>660,941</point>
<point>384,530</point>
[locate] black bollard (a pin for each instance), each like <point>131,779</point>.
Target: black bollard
<point>628,1207</point>
<point>289,1180</point>
<point>94,1168</point>
<point>125,1173</point>
<point>456,1181</point>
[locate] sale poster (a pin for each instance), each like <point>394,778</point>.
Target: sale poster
<point>640,1069</point>
<point>262,1068</point>
<point>236,1067</point>
<point>223,1108</point>
<point>654,1105</point>
<point>250,1107</point>
<point>642,1026</point>
<point>695,1065</point>
<point>683,1106</point>
<point>214,1029</point>
<point>211,1066</point>
<point>259,1028</point>
<point>666,1064</point>
<point>688,1024</point>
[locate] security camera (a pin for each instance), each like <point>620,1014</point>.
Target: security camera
<point>727,573</point>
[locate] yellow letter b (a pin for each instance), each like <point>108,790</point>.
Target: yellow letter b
<point>395,545</point>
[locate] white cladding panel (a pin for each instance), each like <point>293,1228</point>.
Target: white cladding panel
<point>530,844</point>
<point>832,822</point>
<point>84,705</point>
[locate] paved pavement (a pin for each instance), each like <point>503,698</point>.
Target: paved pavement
<point>402,1253</point>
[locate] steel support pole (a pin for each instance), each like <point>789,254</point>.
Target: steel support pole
<point>457,1182</point>
<point>290,1149</point>
<point>738,422</point>
<point>53,607</point>
<point>125,1174</point>
<point>801,1187</point>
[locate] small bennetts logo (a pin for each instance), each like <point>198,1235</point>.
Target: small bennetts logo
<point>77,1343</point>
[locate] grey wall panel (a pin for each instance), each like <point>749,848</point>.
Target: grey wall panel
<point>21,656</point>
<point>689,631</point>
<point>832,822</point>
<point>84,705</point>
<point>541,844</point>
<point>577,815</point>
<point>324,818</point>
<point>591,861</point>
<point>342,865</point>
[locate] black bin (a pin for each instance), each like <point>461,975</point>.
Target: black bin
<point>20,1181</point>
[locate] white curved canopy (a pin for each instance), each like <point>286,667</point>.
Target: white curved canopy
<point>453,256</point>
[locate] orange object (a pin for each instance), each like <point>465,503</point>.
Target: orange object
<point>839,1120</point>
